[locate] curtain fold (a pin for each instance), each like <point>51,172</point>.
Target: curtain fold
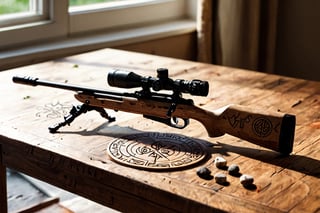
<point>204,31</point>
<point>237,33</point>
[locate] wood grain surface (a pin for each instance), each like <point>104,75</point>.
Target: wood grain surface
<point>75,159</point>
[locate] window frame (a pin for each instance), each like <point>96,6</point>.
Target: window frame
<point>38,10</point>
<point>51,24</point>
<point>29,45</point>
<point>118,15</point>
<point>58,22</point>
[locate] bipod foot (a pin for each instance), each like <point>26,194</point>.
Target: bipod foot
<point>75,112</point>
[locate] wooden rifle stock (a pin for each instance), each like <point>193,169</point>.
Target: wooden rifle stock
<point>271,130</point>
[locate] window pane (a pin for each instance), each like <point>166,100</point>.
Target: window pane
<point>14,6</point>
<point>18,12</point>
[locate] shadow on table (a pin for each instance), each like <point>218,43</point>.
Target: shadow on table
<point>299,163</point>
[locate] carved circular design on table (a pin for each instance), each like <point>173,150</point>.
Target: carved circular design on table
<point>262,127</point>
<point>156,151</point>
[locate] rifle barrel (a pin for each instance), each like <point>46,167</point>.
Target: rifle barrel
<point>27,80</point>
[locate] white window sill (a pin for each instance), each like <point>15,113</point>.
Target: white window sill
<point>69,46</point>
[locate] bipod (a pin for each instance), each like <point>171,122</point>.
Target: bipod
<point>75,112</point>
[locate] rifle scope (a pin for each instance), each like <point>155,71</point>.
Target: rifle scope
<point>125,79</point>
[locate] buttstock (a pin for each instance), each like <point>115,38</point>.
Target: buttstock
<point>273,130</point>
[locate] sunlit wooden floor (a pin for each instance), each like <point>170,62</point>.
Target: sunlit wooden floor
<point>26,194</point>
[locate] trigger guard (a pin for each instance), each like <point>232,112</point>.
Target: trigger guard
<point>174,122</point>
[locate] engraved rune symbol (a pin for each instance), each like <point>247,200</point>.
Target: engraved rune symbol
<point>156,151</point>
<point>262,127</point>
<point>236,120</point>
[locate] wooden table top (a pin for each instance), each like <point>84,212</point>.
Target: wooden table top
<point>76,158</point>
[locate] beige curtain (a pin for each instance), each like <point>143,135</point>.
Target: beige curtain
<point>237,33</point>
<point>204,30</point>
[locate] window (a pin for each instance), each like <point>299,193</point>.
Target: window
<point>116,14</point>
<point>52,19</point>
<point>13,12</point>
<point>45,19</point>
<point>54,29</point>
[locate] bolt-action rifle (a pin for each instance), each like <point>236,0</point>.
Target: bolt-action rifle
<point>274,130</point>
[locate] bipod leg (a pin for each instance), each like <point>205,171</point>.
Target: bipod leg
<point>74,112</point>
<point>103,113</point>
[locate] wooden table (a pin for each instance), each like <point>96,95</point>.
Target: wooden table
<point>76,159</point>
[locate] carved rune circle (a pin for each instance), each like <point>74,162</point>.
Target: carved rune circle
<point>262,127</point>
<point>156,151</point>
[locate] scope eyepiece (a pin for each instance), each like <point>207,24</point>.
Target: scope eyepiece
<point>194,87</point>
<point>125,79</point>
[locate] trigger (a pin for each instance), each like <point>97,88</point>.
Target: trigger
<point>179,123</point>
<point>175,122</point>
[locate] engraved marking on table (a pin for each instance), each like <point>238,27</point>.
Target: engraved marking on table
<point>54,110</point>
<point>156,150</point>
